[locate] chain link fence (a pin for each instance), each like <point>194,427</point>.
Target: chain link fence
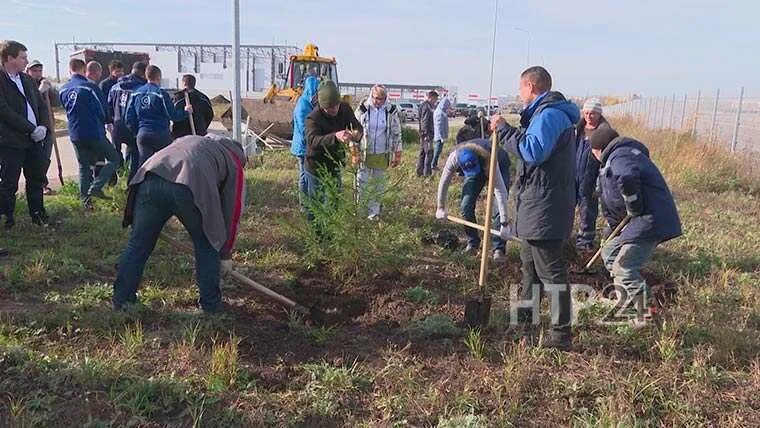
<point>733,122</point>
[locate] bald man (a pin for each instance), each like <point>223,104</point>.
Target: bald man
<point>93,72</point>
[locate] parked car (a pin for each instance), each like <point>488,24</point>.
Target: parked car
<point>461,109</point>
<point>408,110</point>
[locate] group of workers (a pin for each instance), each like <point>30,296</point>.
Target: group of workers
<point>566,158</point>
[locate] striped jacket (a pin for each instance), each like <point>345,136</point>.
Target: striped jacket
<point>85,109</point>
<point>150,110</point>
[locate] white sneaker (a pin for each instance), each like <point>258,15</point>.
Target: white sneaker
<point>499,257</point>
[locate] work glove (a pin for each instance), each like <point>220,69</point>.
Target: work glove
<point>226,266</point>
<point>505,232</point>
<point>38,134</point>
<point>45,86</point>
<point>189,108</point>
<point>440,213</point>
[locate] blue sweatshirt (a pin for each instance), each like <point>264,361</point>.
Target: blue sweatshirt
<point>85,109</point>
<point>302,109</point>
<point>150,110</point>
<point>118,101</point>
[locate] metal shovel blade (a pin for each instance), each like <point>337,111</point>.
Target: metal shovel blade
<point>477,312</point>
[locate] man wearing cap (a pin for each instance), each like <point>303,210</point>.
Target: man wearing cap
<point>329,128</point>
<point>586,172</point>
<point>471,160</point>
<point>35,71</point>
<point>632,186</point>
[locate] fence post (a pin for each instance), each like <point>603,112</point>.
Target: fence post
<point>662,112</point>
<point>672,110</point>
<point>696,115</point>
<point>683,112</point>
<point>714,116</point>
<point>738,119</point>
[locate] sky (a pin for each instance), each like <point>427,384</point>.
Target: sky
<point>593,47</point>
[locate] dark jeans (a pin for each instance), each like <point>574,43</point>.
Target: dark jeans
<point>149,143</point>
<point>88,152</point>
<point>157,201</point>
<point>588,210</point>
<point>437,152</point>
<point>543,265</point>
<point>12,161</point>
<point>322,188</point>
<point>122,135</point>
<point>471,189</point>
<point>425,162</point>
<point>302,184</point>
<point>132,160</point>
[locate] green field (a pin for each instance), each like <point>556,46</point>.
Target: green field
<point>393,352</point>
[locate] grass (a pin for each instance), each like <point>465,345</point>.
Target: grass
<point>392,351</point>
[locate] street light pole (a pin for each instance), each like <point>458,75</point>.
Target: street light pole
<point>526,31</point>
<point>236,107</point>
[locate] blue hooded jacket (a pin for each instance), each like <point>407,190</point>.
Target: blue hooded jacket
<point>150,110</point>
<point>629,176</point>
<point>85,109</point>
<point>118,101</point>
<point>303,108</point>
<point>545,143</point>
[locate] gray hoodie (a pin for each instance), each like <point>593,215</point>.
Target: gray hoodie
<point>212,168</point>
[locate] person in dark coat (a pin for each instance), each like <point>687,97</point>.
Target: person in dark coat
<point>427,132</point>
<point>475,126</point>
<point>631,185</point>
<point>115,72</point>
<point>24,124</point>
<point>35,71</point>
<point>586,172</point>
<point>545,196</point>
<point>329,128</point>
<point>118,102</point>
<point>203,113</point>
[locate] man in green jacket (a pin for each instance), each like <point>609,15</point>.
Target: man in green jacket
<point>329,129</point>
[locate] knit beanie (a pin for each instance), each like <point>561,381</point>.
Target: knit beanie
<point>592,104</point>
<point>328,94</point>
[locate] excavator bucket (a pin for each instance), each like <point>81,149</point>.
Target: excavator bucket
<point>278,111</point>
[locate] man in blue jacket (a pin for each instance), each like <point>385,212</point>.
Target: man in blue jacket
<point>118,101</point>
<point>545,198</point>
<point>305,104</point>
<point>631,184</point>
<point>148,115</point>
<point>86,113</point>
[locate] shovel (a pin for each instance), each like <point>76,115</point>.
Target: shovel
<point>313,313</point>
<point>190,115</point>
<point>464,222</point>
<point>587,269</point>
<point>477,312</point>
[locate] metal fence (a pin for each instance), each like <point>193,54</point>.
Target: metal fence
<point>730,121</point>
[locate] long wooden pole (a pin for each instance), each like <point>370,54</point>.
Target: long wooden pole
<point>485,251</point>
<point>464,222</point>
<point>190,115</point>
<point>606,241</point>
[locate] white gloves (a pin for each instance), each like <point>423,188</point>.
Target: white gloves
<point>505,232</point>
<point>38,134</point>
<point>45,86</point>
<point>440,213</point>
<point>226,266</point>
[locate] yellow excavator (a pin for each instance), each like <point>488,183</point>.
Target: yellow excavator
<point>277,104</point>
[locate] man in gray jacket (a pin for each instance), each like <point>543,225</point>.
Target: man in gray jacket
<point>427,131</point>
<point>200,180</point>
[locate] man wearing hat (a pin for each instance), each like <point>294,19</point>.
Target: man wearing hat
<point>35,71</point>
<point>471,160</point>
<point>329,128</point>
<point>586,172</point>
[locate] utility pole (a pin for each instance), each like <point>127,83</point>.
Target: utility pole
<point>236,107</point>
